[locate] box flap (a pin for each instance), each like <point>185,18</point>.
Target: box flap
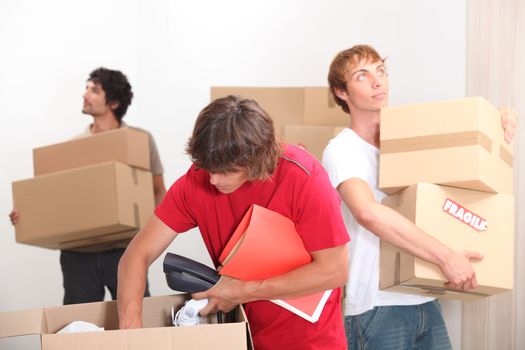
<point>22,322</point>
<point>103,314</point>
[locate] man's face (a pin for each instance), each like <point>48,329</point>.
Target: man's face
<point>94,100</point>
<point>229,181</point>
<point>367,86</point>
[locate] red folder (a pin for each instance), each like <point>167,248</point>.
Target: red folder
<point>266,244</point>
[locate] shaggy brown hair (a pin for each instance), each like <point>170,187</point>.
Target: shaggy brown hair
<point>233,132</point>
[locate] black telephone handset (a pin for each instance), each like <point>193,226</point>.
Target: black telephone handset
<point>187,275</point>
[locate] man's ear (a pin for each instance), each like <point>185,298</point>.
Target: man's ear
<point>342,94</point>
<point>113,105</point>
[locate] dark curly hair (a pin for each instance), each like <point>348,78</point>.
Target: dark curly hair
<point>233,132</point>
<point>116,86</point>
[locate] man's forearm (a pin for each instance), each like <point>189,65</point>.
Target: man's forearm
<point>312,278</point>
<point>130,292</point>
<point>328,270</point>
<point>145,247</point>
<point>398,230</point>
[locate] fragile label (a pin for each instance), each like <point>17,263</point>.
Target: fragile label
<point>464,215</point>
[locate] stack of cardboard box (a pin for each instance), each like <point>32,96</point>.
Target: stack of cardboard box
<point>86,191</point>
<point>306,116</point>
<point>449,170</point>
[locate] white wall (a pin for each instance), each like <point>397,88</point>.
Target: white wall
<point>173,51</point>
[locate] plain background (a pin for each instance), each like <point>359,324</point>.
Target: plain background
<point>172,52</point>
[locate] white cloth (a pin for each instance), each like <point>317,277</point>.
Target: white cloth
<point>348,156</point>
<point>80,326</point>
<point>188,315</point>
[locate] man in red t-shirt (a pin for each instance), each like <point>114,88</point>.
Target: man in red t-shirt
<point>237,162</point>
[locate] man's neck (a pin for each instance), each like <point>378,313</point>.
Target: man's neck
<point>366,125</point>
<point>104,123</point>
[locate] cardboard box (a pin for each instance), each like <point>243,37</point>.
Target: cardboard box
<point>157,334</point>
<point>126,145</point>
<point>84,206</point>
<point>313,138</point>
<point>291,105</point>
<point>463,220</point>
<point>456,143</point>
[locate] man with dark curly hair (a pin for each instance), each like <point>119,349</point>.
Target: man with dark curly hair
<point>88,270</point>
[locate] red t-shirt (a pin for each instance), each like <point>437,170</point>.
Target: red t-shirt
<point>298,189</point>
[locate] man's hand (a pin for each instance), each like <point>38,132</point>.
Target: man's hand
<point>459,272</point>
<point>14,216</point>
<point>509,123</point>
<point>224,296</point>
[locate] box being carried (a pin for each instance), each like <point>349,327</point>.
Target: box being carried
<point>84,206</point>
<point>126,145</point>
<point>458,143</point>
<point>35,329</point>
<point>291,105</point>
<point>463,220</point>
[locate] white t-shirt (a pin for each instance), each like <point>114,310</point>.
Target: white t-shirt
<point>348,156</point>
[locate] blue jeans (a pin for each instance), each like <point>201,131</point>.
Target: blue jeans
<point>398,327</point>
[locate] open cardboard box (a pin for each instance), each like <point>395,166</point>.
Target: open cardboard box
<point>84,206</point>
<point>463,220</point>
<point>456,143</point>
<point>36,328</point>
<point>126,145</point>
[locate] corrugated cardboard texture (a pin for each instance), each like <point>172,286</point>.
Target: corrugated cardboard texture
<point>423,204</point>
<point>456,143</point>
<point>84,206</point>
<point>157,334</point>
<point>313,138</point>
<point>291,105</point>
<point>320,108</point>
<point>126,145</point>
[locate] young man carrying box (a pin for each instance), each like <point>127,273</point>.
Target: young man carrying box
<point>238,162</point>
<point>87,270</point>
<point>376,319</point>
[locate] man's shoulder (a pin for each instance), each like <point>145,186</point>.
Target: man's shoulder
<point>347,145</point>
<point>297,158</point>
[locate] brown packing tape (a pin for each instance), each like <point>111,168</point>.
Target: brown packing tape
<point>134,175</point>
<point>136,214</point>
<point>505,155</point>
<point>421,143</point>
<point>397,269</point>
